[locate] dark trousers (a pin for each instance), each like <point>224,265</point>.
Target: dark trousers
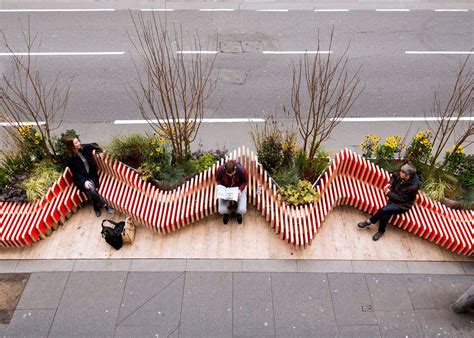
<point>97,200</point>
<point>384,213</point>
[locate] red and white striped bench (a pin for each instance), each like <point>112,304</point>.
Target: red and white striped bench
<point>350,180</point>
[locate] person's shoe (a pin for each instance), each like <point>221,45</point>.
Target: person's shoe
<point>110,210</point>
<point>225,220</point>
<point>97,213</point>
<point>377,236</point>
<point>363,224</point>
<point>239,218</point>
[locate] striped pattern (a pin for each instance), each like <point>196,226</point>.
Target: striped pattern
<point>24,223</point>
<point>349,180</point>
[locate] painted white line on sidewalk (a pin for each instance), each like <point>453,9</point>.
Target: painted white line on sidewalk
<point>196,52</point>
<point>399,119</point>
<point>437,52</point>
<point>296,52</point>
<point>331,10</point>
<point>157,9</point>
<point>217,10</point>
<point>59,10</point>
<point>11,124</point>
<point>215,120</point>
<point>63,53</point>
<point>392,10</point>
<point>272,10</point>
<point>451,10</point>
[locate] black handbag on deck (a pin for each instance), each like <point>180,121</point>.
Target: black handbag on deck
<point>113,236</point>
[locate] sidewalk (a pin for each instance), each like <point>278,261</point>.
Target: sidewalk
<point>203,298</point>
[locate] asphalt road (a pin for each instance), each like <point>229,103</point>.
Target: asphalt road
<point>250,82</point>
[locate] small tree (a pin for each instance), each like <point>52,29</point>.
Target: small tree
<point>26,96</point>
<point>457,107</point>
<point>322,94</point>
<point>172,94</point>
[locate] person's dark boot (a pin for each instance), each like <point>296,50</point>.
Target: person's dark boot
<point>225,220</point>
<point>363,224</point>
<point>377,236</point>
<point>239,218</point>
<point>97,212</point>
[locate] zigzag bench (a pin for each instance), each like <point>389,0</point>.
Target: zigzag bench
<point>349,180</point>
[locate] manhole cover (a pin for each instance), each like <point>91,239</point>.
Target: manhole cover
<point>11,288</point>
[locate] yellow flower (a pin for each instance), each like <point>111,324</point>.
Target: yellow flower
<point>162,140</point>
<point>37,134</point>
<point>37,142</point>
<point>459,150</point>
<point>151,154</point>
<point>158,150</point>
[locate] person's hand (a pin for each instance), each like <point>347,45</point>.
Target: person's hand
<point>88,185</point>
<point>386,189</point>
<point>240,192</point>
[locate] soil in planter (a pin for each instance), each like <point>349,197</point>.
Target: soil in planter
<point>13,192</point>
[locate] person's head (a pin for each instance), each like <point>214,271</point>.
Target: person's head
<point>407,171</point>
<point>230,168</point>
<point>73,145</point>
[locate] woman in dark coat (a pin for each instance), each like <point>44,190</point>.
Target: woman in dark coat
<point>80,161</point>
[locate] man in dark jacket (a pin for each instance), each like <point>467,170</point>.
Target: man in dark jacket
<point>401,192</point>
<point>232,174</point>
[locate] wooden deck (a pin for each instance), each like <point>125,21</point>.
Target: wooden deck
<point>339,239</point>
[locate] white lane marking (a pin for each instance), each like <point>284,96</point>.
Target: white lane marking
<point>62,53</point>
<point>400,119</point>
<point>157,9</point>
<point>272,10</point>
<point>331,10</point>
<point>217,10</point>
<point>392,10</point>
<point>11,124</point>
<point>296,52</point>
<point>60,10</point>
<point>196,52</point>
<point>451,10</point>
<point>437,52</point>
<point>215,120</point>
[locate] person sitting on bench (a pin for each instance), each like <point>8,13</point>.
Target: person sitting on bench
<point>233,174</point>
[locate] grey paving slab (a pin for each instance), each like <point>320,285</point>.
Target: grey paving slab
<point>43,291</point>
<point>269,265</point>
<point>28,323</point>
<point>152,299</point>
<point>145,331</point>
<point>468,267</point>
<point>455,268</point>
<point>356,331</point>
<point>158,265</point>
<point>302,305</point>
<point>445,323</point>
<point>323,266</point>
<point>8,265</point>
<point>379,267</point>
<point>42,265</point>
<point>90,304</point>
<point>214,265</point>
<point>389,292</point>
<point>102,265</point>
<point>436,291</point>
<point>207,305</point>
<point>252,305</point>
<point>398,324</point>
<point>351,299</point>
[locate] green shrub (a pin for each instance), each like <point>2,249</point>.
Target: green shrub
<point>419,150</point>
<point>44,174</point>
<point>18,163</point>
<point>149,170</point>
<point>302,193</point>
<point>314,167</point>
<point>436,189</point>
<point>466,172</point>
<point>270,155</point>
<point>3,178</point>
<point>287,177</point>
<point>135,149</point>
<point>203,162</point>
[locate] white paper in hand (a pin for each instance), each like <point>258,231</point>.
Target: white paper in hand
<point>228,194</point>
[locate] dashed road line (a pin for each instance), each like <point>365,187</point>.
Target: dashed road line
<point>58,10</point>
<point>427,52</point>
<point>62,53</point>
<point>452,10</point>
<point>205,120</point>
<point>400,119</point>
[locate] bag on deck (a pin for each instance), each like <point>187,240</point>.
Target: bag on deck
<point>113,236</point>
